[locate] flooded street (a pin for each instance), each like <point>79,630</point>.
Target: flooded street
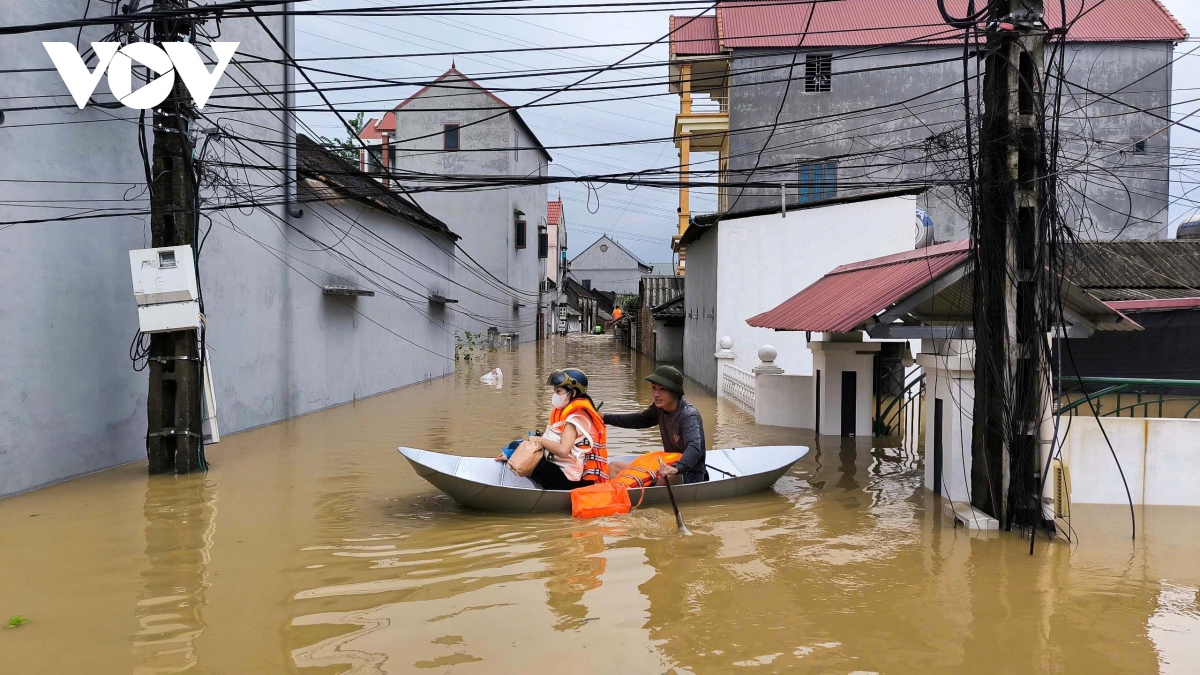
<point>312,546</point>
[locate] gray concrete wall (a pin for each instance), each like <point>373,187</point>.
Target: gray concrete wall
<point>668,343</point>
<point>877,142</point>
<point>484,218</point>
<point>70,402</point>
<point>700,306</point>
<point>613,269</point>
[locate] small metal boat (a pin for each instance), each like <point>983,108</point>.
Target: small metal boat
<point>485,484</point>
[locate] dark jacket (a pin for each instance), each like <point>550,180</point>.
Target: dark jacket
<point>682,431</point>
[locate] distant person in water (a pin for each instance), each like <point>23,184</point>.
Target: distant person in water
<point>678,422</point>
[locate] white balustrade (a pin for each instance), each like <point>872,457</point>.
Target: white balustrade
<point>738,386</point>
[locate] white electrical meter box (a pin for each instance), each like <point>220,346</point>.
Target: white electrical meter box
<point>163,275</point>
<point>164,287</point>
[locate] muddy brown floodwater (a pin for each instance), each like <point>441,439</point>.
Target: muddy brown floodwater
<point>313,547</point>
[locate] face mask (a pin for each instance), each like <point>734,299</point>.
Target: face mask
<point>559,400</point>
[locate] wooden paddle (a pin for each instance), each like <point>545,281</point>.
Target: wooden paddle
<point>678,517</point>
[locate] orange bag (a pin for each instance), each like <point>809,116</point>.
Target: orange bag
<point>643,471</point>
<point>601,499</point>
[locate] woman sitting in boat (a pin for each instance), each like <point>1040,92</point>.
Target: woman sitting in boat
<point>574,445</point>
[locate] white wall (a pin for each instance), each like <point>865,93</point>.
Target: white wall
<point>764,260</point>
<point>832,359</point>
<point>950,380</point>
<point>1158,456</point>
<point>784,400</point>
<point>484,218</point>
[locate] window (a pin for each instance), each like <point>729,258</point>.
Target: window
<point>818,73</point>
<point>516,145</point>
<point>450,137</point>
<point>1140,146</point>
<point>543,242</point>
<point>818,181</point>
<point>520,234</point>
<point>587,284</point>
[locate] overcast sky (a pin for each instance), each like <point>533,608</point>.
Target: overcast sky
<point>643,219</point>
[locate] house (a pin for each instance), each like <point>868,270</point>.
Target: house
<point>291,322</point>
<point>744,263</point>
<point>873,75</point>
<point>1155,283</point>
<point>924,294</point>
<point>454,128</point>
<point>552,249</point>
<point>583,302</point>
<point>659,319</point>
<point>556,242</point>
<point>606,265</point>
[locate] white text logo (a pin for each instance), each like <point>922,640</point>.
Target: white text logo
<point>179,57</point>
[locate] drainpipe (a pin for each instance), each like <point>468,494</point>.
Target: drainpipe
<point>289,116</point>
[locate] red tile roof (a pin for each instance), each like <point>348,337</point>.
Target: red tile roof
<point>554,212</point>
<point>850,295</point>
<point>370,132</point>
<point>851,23</point>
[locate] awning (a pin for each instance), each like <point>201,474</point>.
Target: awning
<point>851,295</point>
<point>927,293</point>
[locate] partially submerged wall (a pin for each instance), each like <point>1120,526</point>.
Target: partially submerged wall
<point>1158,457</point>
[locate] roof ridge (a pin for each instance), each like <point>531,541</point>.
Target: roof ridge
<point>935,251</point>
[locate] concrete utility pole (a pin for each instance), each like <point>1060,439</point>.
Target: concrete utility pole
<point>174,419</point>
<point>1010,274</point>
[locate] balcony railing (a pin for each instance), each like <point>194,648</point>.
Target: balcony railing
<point>1130,397</point>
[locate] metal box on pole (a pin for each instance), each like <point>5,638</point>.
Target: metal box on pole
<point>165,288</point>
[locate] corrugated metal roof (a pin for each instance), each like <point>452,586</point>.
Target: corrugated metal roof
<point>694,36</point>
<point>1136,270</point>
<point>671,309</point>
<point>850,295</point>
<point>850,23</point>
<point>657,290</point>
<point>1154,305</point>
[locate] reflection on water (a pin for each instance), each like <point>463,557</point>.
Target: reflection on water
<point>333,557</point>
<point>180,514</point>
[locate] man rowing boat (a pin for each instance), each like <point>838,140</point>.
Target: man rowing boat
<point>678,422</point>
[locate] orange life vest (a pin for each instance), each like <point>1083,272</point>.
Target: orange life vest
<point>643,471</point>
<point>600,499</point>
<point>612,497</point>
<point>595,457</point>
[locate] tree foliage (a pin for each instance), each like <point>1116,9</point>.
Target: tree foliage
<point>347,147</point>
